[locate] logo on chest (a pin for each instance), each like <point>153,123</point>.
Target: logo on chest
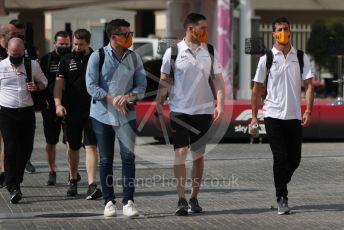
<point>73,65</point>
<point>54,68</point>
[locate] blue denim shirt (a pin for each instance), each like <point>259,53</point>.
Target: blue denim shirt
<point>117,77</point>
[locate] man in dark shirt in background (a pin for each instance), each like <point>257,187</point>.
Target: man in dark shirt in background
<point>75,108</point>
<point>51,123</point>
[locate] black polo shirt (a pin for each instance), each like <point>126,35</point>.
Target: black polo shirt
<point>73,69</point>
<point>50,67</point>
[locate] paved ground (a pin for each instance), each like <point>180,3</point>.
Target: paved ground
<point>237,192</point>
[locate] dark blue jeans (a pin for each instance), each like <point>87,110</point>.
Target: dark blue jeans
<point>106,135</point>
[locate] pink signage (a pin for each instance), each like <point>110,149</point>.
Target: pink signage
<point>224,42</point>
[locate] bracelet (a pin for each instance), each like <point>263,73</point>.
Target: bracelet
<point>309,112</point>
<point>57,105</point>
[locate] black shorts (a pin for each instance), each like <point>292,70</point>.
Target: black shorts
<point>52,126</point>
<point>190,130</point>
<point>79,132</point>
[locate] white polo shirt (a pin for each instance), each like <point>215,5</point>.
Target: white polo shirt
<point>13,87</point>
<point>191,93</point>
<point>284,84</point>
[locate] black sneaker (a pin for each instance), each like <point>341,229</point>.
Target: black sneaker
<point>16,196</point>
<point>78,177</point>
<point>29,168</point>
<point>73,188</point>
<point>283,208</point>
<point>182,209</point>
<point>194,206</point>
<point>51,179</point>
<point>93,192</point>
<point>2,180</point>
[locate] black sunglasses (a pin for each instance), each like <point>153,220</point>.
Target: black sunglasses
<point>125,34</point>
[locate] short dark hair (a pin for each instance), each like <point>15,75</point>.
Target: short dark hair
<point>83,34</point>
<point>279,20</point>
<point>61,33</point>
<point>113,26</point>
<point>193,19</point>
<point>18,24</point>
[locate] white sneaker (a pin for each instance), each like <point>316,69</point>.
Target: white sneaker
<point>129,209</point>
<point>110,209</point>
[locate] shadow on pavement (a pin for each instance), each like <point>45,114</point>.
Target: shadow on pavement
<point>319,208</point>
<point>203,190</point>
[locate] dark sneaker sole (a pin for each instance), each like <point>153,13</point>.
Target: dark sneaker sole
<point>284,213</point>
<point>16,198</point>
<point>95,195</point>
<point>182,212</point>
<point>193,211</point>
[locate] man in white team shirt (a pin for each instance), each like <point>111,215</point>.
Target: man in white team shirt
<point>17,115</point>
<point>191,103</point>
<point>282,109</point>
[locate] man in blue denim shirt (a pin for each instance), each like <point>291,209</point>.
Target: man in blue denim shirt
<point>114,88</point>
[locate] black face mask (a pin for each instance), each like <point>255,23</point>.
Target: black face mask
<point>63,50</point>
<point>16,60</point>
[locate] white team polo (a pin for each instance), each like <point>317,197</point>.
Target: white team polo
<point>13,87</point>
<point>284,84</point>
<point>190,92</point>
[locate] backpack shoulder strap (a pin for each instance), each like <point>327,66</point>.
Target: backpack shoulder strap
<point>211,53</point>
<point>134,57</point>
<point>269,60</point>
<point>174,54</point>
<point>48,63</point>
<point>28,69</point>
<point>101,58</point>
<point>300,59</point>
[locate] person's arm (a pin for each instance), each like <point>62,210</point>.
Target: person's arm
<point>163,89</point>
<point>164,82</point>
<point>258,89</point>
<point>219,87</point>
<point>60,109</point>
<point>257,92</point>
<point>58,88</point>
<point>309,89</point>
<point>220,94</point>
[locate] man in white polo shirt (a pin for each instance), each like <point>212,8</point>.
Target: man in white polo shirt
<point>191,104</point>
<point>282,109</point>
<point>17,115</point>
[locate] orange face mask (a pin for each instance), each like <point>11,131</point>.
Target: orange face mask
<point>201,36</point>
<point>125,42</point>
<point>283,37</point>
